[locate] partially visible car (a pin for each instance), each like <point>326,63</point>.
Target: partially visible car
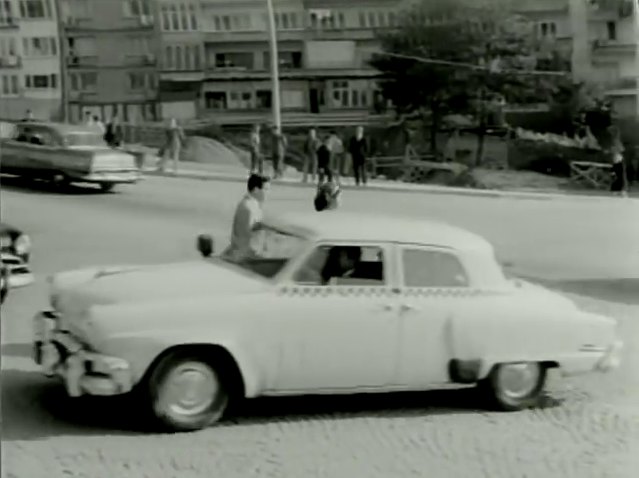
<point>66,154</point>
<point>345,304</point>
<point>15,249</point>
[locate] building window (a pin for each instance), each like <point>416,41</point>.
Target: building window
<point>40,46</point>
<point>6,12</point>
<point>8,47</point>
<point>341,21</point>
<point>226,22</point>
<point>184,16</point>
<point>86,82</point>
<point>166,18</point>
<point>9,85</point>
<point>179,59</point>
<point>35,9</point>
<point>168,58</point>
<point>175,18</point>
<point>362,20</point>
<point>372,23</point>
<point>138,81</point>
<point>193,17</point>
<point>197,63</point>
<point>41,82</point>
<point>215,100</point>
<point>612,30</point>
<point>136,8</point>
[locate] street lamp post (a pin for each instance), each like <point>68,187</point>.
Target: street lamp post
<point>275,75</point>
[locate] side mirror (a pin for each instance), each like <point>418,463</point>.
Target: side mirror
<point>205,245</point>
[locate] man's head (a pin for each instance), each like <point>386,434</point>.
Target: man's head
<point>257,186</point>
<point>349,257</point>
<point>256,128</point>
<point>360,131</point>
<point>312,133</point>
<point>29,114</point>
<point>333,133</point>
<point>95,118</point>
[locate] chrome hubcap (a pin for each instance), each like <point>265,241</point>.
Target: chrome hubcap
<point>189,390</point>
<point>518,380</point>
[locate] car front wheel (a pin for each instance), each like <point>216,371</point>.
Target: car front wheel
<point>515,386</point>
<point>187,393</point>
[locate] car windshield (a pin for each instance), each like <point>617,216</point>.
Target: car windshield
<point>83,139</point>
<point>274,249</point>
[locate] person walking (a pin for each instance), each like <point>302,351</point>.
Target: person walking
<point>310,155</point>
<point>337,154</point>
<point>174,139</point>
<point>247,218</point>
<point>257,161</point>
<point>99,124</point>
<point>279,145</point>
<point>358,150</point>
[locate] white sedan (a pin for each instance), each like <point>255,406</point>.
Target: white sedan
<point>333,304</point>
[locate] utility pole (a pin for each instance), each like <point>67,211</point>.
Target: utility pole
<point>275,74</point>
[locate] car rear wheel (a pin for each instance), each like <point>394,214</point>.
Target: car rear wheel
<point>107,187</point>
<point>187,393</point>
<point>515,386</point>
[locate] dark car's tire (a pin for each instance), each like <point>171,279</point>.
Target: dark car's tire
<point>187,392</point>
<point>107,187</point>
<point>4,284</point>
<point>515,386</point>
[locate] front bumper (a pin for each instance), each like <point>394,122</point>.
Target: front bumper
<point>612,357</point>
<point>115,177</point>
<point>84,372</point>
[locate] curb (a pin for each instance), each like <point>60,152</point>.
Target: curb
<point>421,189</point>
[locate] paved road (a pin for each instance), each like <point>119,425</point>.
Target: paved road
<point>589,428</point>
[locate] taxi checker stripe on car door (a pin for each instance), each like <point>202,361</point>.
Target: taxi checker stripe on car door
<point>326,291</point>
<point>442,292</point>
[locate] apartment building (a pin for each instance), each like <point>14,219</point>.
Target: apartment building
<point>216,57</point>
<point>29,59</point>
<point>110,52</point>
<point>601,37</point>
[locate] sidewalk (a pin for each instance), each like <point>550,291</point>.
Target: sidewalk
<point>292,178</point>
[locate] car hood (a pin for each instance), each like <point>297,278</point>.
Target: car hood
<point>79,289</point>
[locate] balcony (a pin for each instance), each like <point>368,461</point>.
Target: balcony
<point>147,59</point>
<point>350,34</point>
<point>229,74</point>
<point>614,47</point>
<point>142,22</point>
<point>8,23</point>
<point>82,61</point>
<point>10,61</point>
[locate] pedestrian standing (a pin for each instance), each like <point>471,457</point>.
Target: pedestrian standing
<point>310,155</point>
<point>359,150</point>
<point>28,117</point>
<point>174,139</point>
<point>324,162</point>
<point>337,154</point>
<point>279,144</point>
<point>257,161</point>
<point>99,124</point>
<point>247,219</point>
<point>88,119</point>
<point>113,134</point>
<point>616,152</point>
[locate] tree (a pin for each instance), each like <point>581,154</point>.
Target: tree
<point>454,56</point>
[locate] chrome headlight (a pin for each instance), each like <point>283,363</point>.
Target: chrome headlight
<point>22,245</point>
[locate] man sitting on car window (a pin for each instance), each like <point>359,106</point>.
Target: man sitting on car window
<point>248,216</point>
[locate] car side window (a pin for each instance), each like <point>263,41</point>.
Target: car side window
<point>430,268</point>
<point>41,137</point>
<point>343,265</point>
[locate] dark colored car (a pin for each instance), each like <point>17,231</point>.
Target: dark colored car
<point>15,248</point>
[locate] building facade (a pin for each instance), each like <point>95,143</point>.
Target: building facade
<point>110,50</point>
<point>30,76</point>
<point>215,56</point>
<point>601,37</point>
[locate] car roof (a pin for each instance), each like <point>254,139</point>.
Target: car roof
<point>345,226</point>
<point>60,128</point>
